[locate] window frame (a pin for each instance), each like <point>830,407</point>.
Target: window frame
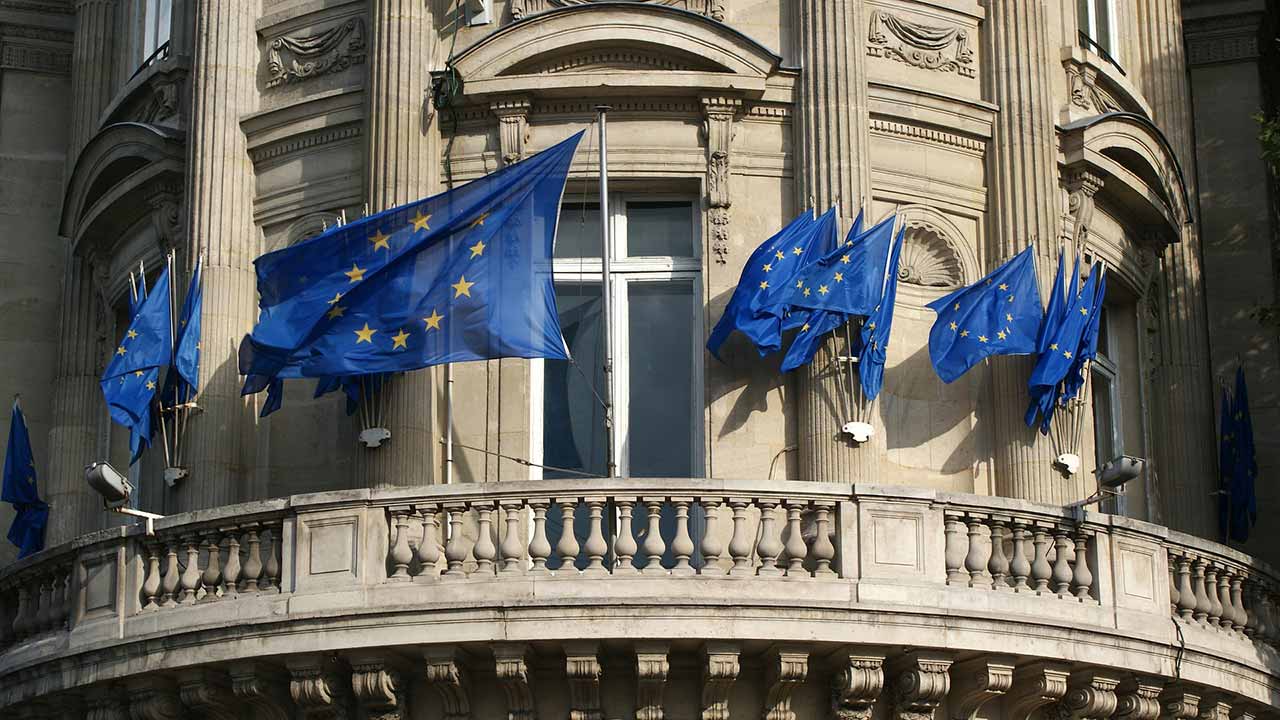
<point>625,270</point>
<point>1106,367</point>
<point>1089,26</point>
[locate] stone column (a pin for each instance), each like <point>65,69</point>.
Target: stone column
<point>834,167</point>
<point>91,75</point>
<point>402,167</point>
<point>1023,179</point>
<point>217,446</point>
<point>1187,469</point>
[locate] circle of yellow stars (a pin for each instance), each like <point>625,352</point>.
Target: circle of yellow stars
<point>1003,333</point>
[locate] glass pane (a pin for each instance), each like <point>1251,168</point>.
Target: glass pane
<point>1103,419</point>
<point>661,402</point>
<point>1102,21</point>
<point>166,14</point>
<point>660,228</point>
<point>578,234</point>
<point>1104,346</point>
<point>573,420</point>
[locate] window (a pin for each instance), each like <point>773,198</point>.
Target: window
<point>1107,438</point>
<point>152,36</point>
<point>1096,19</point>
<point>656,324</point>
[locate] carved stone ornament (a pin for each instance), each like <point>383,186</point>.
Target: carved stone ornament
<point>106,702</point>
<point>714,9</point>
<point>786,669</point>
<point>378,686</point>
<point>155,698</point>
<point>208,693</point>
<point>1082,186</point>
<point>298,57</point>
<point>263,687</point>
<point>717,680</point>
<point>1178,704</point>
<point>718,129</point>
<point>582,668</point>
<point>929,256</point>
<point>1090,696</point>
<point>652,669</point>
<point>447,676</point>
<point>976,681</point>
<point>1138,698</point>
<point>167,216</point>
<point>513,126</point>
<point>319,687</point>
<point>1034,686</point>
<point>856,684</point>
<point>920,684</point>
<point>945,49</point>
<point>1086,95</point>
<point>511,667</point>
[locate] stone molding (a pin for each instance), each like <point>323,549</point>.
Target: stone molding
<point>856,683</point>
<point>785,669</point>
<point>447,676</point>
<point>1138,698</point>
<point>513,126</point>
<point>1222,39</point>
<point>921,682</point>
<point>714,9</point>
<point>976,681</point>
<point>652,668</point>
<point>305,141</point>
<point>511,667</point>
<point>719,673</point>
<point>319,686</point>
<point>881,126</point>
<point>930,47</point>
<point>1034,686</point>
<point>582,668</point>
<point>35,49</point>
<point>1091,695</point>
<point>293,58</point>
<point>718,129</point>
<point>379,685</point>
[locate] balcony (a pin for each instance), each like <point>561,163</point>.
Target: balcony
<point>331,600</point>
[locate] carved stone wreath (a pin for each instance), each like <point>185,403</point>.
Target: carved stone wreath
<point>944,49</point>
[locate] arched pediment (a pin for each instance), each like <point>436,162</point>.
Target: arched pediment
<point>1137,164</point>
<point>629,47</point>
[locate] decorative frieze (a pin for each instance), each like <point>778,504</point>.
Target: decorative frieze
<point>785,670</point>
<point>718,129</point>
<point>1223,38</point>
<point>35,49</point>
<point>1086,94</point>
<point>291,58</point>
<point>856,683</point>
<point>305,141</point>
<point>718,676</point>
<point>928,135</point>
<point>318,688</point>
<point>931,47</point>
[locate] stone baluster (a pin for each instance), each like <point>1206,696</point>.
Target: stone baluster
<point>213,565</point>
<point>957,548</point>
<point>1266,613</point>
<point>1186,595</point>
<point>1211,591</point>
<point>539,547</point>
<point>400,555</point>
<point>1228,619</point>
<point>1240,617</point>
<point>998,565</point>
<point>740,543</point>
<point>58,599</point>
<point>653,545</point>
<point>1082,582</point>
<point>975,561</point>
<point>252,560</point>
<point>624,545</point>
<point>1201,610</point>
<point>1020,567</point>
<point>231,570</point>
<point>170,583</point>
<point>189,580</point>
<point>44,616</point>
<point>596,547</point>
<point>484,549</point>
<point>1041,570</point>
<point>824,552</point>
<point>795,547</point>
<point>770,547</point>
<point>151,583</point>
<point>429,546</point>
<point>1173,583</point>
<point>711,545</point>
<point>274,555</point>
<point>1249,599</point>
<point>455,552</point>
<point>511,549</point>
<point>1062,549</point>
<point>19,624</point>
<point>568,546</point>
<point>682,546</point>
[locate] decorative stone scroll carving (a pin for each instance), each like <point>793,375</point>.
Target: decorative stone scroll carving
<point>1090,696</point>
<point>785,669</point>
<point>714,9</point>
<point>920,684</point>
<point>1085,92</point>
<point>378,683</point>
<point>511,665</point>
<point>318,689</point>
<point>208,693</point>
<point>718,129</point>
<point>448,677</point>
<point>1035,685</point>
<point>929,257</point>
<point>1216,706</point>
<point>154,697</point>
<point>718,677</point>
<point>856,684</point>
<point>263,687</point>
<point>513,126</point>
<point>1178,704</point>
<point>582,668</point>
<point>976,681</point>
<point>167,216</point>
<point>294,58</point>
<point>652,669</point>
<point>945,49</point>
<point>1138,698</point>
<point>1082,186</point>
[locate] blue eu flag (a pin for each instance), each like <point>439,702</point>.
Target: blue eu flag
<point>1244,470</point>
<point>850,278</point>
<point>1042,399</point>
<point>464,275</point>
<point>998,315</point>
<point>1226,462</point>
<point>1062,349</point>
<point>187,353</point>
<point>1088,341</point>
<point>27,530</point>
<point>130,380</point>
<point>772,306</point>
<point>814,324</point>
<point>875,331</point>
<point>753,284</point>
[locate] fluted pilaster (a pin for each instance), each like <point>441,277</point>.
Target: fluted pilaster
<point>217,445</point>
<point>1186,468</point>
<point>1023,177</point>
<point>401,168</point>
<point>835,168</point>
<point>91,75</point>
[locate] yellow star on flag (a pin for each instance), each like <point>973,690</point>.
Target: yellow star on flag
<point>806,292</point>
<point>120,350</point>
<point>420,221</point>
<point>132,333</point>
<point>1008,317</point>
<point>355,274</point>
<point>982,338</point>
<point>1054,346</point>
<point>335,312</point>
<point>462,287</point>
<point>1002,335</point>
<point>779,255</point>
<point>822,290</point>
<point>365,334</point>
<point>845,259</point>
<point>804,327</point>
<point>799,283</point>
<point>151,385</point>
<point>957,306</point>
<point>480,220</point>
<point>839,277</point>
<point>380,241</point>
<point>433,320</point>
<point>400,339</point>
<point>477,250</point>
<point>1066,354</point>
<point>796,251</point>
<point>1084,311</point>
<point>137,373</point>
<point>964,333</point>
<point>871,326</point>
<point>1003,287</point>
<point>953,326</point>
<point>764,284</point>
<point>336,298</point>
<point>1010,298</point>
<point>768,267</point>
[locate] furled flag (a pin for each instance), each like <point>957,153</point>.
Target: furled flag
<point>465,275</point>
<point>1063,348</point>
<point>739,314</point>
<point>1088,342</point>
<point>875,331</point>
<point>183,380</point>
<point>1042,399</point>
<point>998,315</point>
<point>1226,462</point>
<point>772,306</point>
<point>1244,472</point>
<point>19,488</point>
<point>815,324</point>
<point>130,380</point>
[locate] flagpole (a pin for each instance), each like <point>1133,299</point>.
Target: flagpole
<point>606,289</point>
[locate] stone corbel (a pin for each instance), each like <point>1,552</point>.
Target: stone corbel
<point>1091,695</point>
<point>1034,686</point>
<point>856,683</point>
<point>154,697</point>
<point>106,702</point>
<point>511,665</point>
<point>652,669</point>
<point>208,693</point>
<point>513,126</point>
<point>1216,706</point>
<point>1178,704</point>
<point>976,681</point>
<point>920,684</point>
<point>582,668</point>
<point>785,669</point>
<point>378,681</point>
<point>1138,698</point>
<point>1082,186</point>
<point>718,128</point>
<point>319,687</point>
<point>446,674</point>
<point>718,677</point>
<point>264,687</point>
<point>167,216</point>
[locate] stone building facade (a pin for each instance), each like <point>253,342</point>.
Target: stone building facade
<point>772,567</point>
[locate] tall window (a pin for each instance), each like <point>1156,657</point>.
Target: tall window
<point>1107,428</point>
<point>1096,19</point>
<point>156,20</point>
<point>656,338</point>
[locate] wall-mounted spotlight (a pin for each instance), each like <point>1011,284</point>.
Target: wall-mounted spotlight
<point>115,490</point>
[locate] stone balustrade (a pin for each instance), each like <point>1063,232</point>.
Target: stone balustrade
<point>705,549</point>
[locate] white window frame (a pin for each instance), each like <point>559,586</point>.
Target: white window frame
<point>1091,29</point>
<point>626,270</point>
